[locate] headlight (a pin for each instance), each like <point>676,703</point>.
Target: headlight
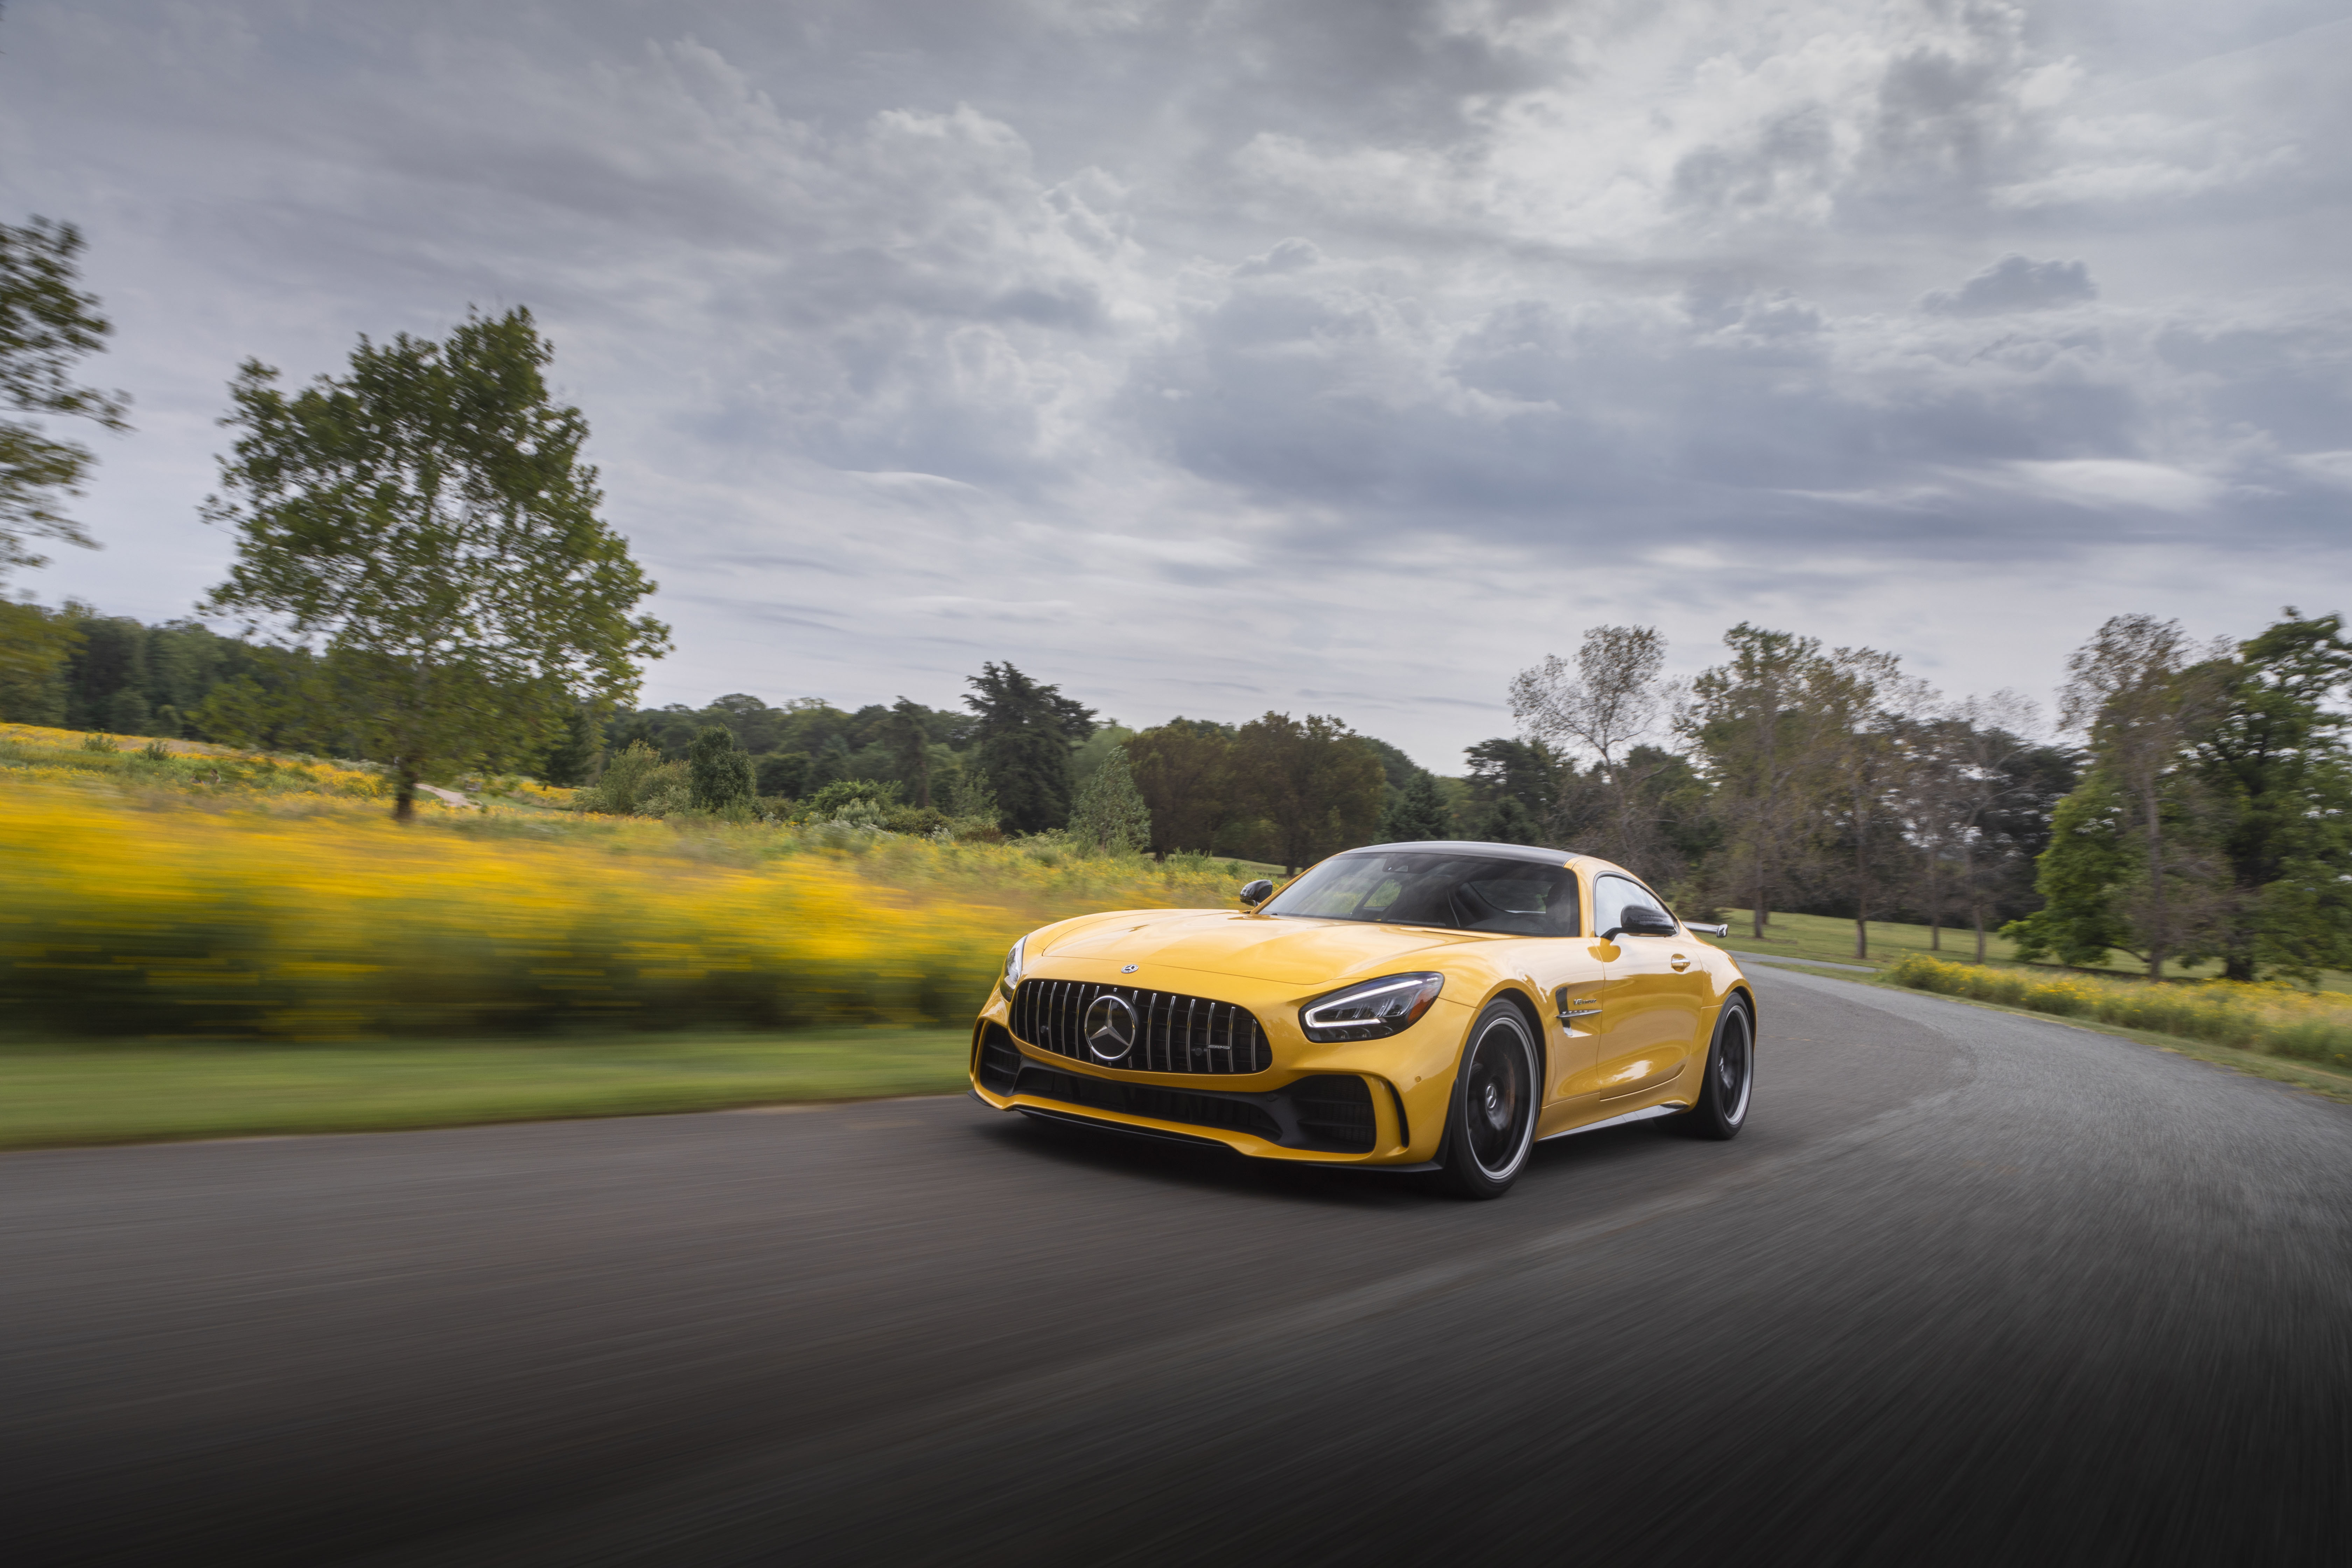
<point>1368,1011</point>
<point>1012,966</point>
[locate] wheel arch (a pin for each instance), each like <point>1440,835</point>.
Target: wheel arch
<point>1531,1011</point>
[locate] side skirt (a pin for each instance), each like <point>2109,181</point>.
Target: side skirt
<point>1647,1113</point>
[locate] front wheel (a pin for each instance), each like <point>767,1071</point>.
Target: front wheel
<point>1730,1080</point>
<point>1491,1124</point>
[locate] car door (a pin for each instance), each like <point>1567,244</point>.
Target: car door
<point>1570,974</point>
<point>1652,995</point>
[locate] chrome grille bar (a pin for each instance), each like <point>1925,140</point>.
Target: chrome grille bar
<point>1174,1032</point>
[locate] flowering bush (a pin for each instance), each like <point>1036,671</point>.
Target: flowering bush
<point>2275,1020</point>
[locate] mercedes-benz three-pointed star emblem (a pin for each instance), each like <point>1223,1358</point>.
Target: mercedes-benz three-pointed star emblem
<point>1110,1027</point>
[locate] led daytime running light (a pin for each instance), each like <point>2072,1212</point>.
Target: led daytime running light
<point>1372,1010</point>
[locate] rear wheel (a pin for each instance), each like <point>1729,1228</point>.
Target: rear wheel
<point>1491,1124</point>
<point>1730,1080</point>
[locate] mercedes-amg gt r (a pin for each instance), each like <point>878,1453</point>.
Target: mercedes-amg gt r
<point>1434,1007</point>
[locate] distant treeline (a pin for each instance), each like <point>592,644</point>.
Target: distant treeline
<point>2208,816</point>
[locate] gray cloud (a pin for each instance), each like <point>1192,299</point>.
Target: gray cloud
<point>1269,349</point>
<point>2014,283</point>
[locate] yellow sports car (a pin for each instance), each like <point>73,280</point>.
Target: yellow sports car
<point>1410,1006</point>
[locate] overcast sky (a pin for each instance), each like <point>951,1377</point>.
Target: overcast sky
<point>1209,357</point>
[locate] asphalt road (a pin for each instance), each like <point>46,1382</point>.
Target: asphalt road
<point>1971,1289</point>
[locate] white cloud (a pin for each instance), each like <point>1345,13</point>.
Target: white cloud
<point>2105,483</point>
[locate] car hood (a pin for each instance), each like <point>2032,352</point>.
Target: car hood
<point>1215,941</point>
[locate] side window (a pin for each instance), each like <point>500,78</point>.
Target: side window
<point>1615,898</point>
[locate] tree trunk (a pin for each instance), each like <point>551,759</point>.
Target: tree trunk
<point>2159,936</point>
<point>1975,913</point>
<point>403,796</point>
<point>1934,904</point>
<point>1756,910</point>
<point>1861,879</point>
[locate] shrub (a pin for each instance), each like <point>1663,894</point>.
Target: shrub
<point>2274,1019</point>
<point>718,776</point>
<point>858,799</point>
<point>637,782</point>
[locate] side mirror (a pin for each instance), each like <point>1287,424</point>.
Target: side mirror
<point>1641,923</point>
<point>1257,892</point>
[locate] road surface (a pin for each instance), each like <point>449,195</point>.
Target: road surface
<point>1971,1289</point>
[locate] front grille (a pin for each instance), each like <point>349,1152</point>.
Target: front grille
<point>1174,1033</point>
<point>1142,1099</point>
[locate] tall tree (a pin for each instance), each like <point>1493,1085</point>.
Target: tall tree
<point>719,774</point>
<point>37,646</point>
<point>2278,784</point>
<point>1604,707</point>
<point>1972,767</point>
<point>1109,816</point>
<point>910,740</point>
<point>1321,788</point>
<point>1861,709</point>
<point>2143,691</point>
<point>1025,731</point>
<point>1759,738</point>
<point>1528,771</point>
<point>572,761</point>
<point>426,523</point>
<point>1418,811</point>
<point>47,324</point>
<point>1184,769</point>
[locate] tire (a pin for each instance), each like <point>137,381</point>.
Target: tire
<point>1728,1086</point>
<point>1490,1124</point>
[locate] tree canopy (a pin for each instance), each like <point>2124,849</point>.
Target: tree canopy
<point>425,524</point>
<point>1025,731</point>
<point>47,324</point>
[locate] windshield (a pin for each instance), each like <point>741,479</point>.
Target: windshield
<point>1430,887</point>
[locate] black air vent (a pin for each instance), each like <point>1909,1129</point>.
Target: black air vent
<point>1232,1114</point>
<point>999,1062</point>
<point>1334,1111</point>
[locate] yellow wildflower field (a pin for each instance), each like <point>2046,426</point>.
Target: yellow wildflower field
<point>129,909</point>
<point>2278,1020</point>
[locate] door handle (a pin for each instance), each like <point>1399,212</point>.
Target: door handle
<point>1680,962</point>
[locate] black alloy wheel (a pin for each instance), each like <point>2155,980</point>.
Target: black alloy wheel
<point>1729,1083</point>
<point>1491,1124</point>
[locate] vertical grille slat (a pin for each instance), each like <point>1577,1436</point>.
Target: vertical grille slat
<point>1174,1032</point>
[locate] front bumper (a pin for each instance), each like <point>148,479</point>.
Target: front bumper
<point>1375,1102</point>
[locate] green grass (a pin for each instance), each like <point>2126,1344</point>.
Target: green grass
<point>1830,937</point>
<point>59,1095</point>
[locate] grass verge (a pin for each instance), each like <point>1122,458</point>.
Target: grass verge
<point>55,1096</point>
<point>2318,1080</point>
